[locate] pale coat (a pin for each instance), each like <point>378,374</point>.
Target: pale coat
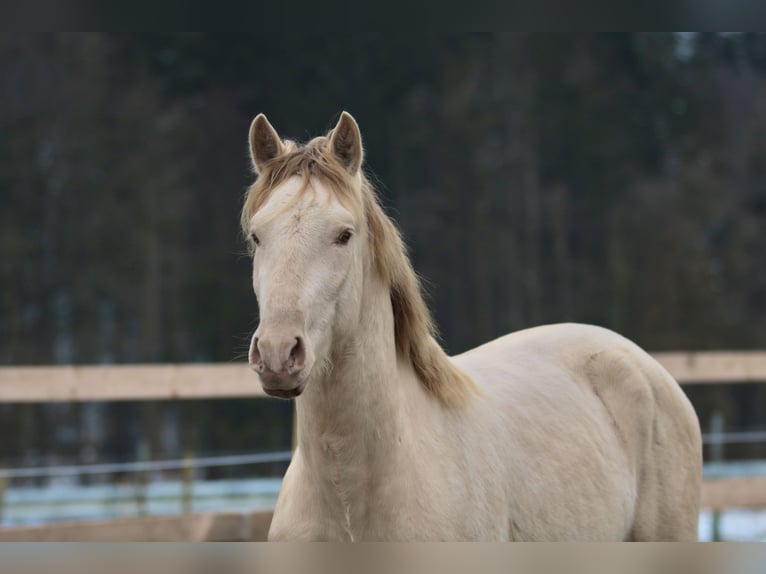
<point>561,432</point>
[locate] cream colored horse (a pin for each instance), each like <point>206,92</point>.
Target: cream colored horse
<point>561,432</point>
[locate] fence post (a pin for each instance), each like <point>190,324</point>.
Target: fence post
<point>142,479</point>
<point>717,455</point>
<point>294,438</point>
<point>187,475</point>
<point>3,486</point>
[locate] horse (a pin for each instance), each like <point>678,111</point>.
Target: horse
<point>565,432</point>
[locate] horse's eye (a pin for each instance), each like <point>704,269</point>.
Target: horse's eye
<point>344,237</point>
<point>255,239</point>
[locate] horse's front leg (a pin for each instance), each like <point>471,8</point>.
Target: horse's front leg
<point>302,513</point>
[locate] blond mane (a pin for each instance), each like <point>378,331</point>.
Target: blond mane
<point>414,330</point>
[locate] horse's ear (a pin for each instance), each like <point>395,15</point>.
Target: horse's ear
<point>346,143</point>
<point>265,144</point>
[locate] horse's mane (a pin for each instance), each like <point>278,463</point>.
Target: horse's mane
<point>414,329</point>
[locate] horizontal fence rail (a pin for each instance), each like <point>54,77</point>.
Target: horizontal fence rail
<point>147,465</point>
<point>127,382</point>
<point>207,527</point>
<point>203,380</point>
<point>705,367</point>
<point>742,437</point>
<point>271,457</point>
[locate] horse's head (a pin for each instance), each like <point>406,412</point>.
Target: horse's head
<point>318,234</point>
<point>304,218</point>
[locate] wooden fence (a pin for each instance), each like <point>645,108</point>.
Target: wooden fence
<point>197,381</point>
<point>203,527</point>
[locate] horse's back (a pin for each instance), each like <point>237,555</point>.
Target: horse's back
<point>585,397</point>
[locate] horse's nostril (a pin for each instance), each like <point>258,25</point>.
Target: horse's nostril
<point>297,355</point>
<point>256,361</point>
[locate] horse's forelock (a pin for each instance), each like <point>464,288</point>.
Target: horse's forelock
<point>311,161</point>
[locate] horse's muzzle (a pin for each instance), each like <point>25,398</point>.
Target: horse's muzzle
<point>281,359</point>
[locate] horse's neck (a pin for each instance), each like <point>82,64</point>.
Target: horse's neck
<point>360,414</point>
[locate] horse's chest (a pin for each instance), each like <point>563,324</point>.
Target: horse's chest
<point>342,487</point>
<point>366,499</point>
<point>348,493</point>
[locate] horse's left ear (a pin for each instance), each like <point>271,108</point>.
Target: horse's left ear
<point>346,143</point>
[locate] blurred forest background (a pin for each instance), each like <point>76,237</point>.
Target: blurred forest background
<point>616,179</point>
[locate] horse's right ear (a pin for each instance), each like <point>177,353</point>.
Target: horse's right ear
<point>265,144</point>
